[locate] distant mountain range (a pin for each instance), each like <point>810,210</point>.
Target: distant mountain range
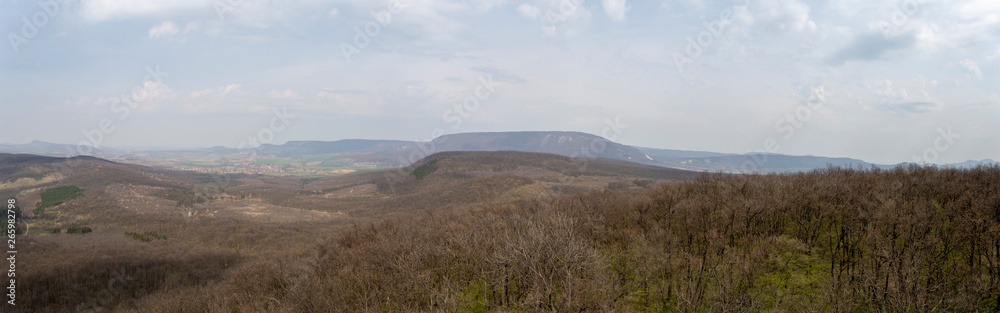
<point>45,148</point>
<point>572,144</point>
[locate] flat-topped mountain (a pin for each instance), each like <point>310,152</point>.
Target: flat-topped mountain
<point>573,144</point>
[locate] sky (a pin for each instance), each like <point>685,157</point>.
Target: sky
<point>881,81</point>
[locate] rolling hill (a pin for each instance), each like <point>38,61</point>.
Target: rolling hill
<point>172,230</point>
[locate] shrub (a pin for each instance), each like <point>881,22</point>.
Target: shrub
<point>146,236</point>
<point>58,195</point>
<point>618,185</point>
<point>422,171</point>
<point>643,182</point>
<point>78,230</point>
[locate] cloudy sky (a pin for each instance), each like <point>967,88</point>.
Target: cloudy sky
<point>883,81</point>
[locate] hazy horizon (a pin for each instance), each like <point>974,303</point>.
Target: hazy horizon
<point>883,82</point>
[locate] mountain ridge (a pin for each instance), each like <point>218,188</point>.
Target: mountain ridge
<point>398,153</point>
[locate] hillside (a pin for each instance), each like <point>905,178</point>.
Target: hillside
<point>479,161</point>
<point>837,240</point>
<point>467,177</point>
<point>90,223</point>
<point>503,230</point>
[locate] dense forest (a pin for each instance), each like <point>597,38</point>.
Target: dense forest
<point>835,240</point>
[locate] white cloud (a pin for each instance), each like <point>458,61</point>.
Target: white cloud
<point>487,5</point>
<point>679,5</point>
<point>221,99</point>
<point>906,96</point>
<point>192,27</point>
<point>945,25</point>
<point>970,67</point>
<point>333,13</point>
<point>156,91</point>
<point>528,11</point>
<point>783,15</point>
<point>101,10</point>
<point>565,22</point>
<point>351,102</point>
<point>282,94</point>
<point>220,91</point>
<point>979,9</point>
<point>165,29</point>
<point>152,96</point>
<point>81,100</point>
<point>616,9</point>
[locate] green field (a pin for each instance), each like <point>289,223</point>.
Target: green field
<point>312,158</point>
<point>332,163</point>
<point>272,161</point>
